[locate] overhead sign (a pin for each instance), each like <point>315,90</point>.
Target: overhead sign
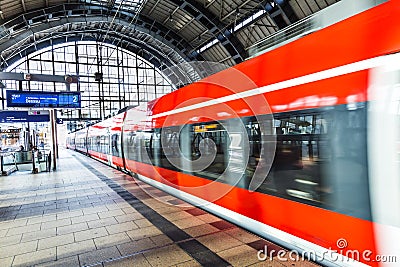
<point>39,99</point>
<point>22,116</point>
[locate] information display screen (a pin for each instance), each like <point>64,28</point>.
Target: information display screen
<point>37,99</point>
<point>23,116</point>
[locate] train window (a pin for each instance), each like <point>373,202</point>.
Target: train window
<point>96,143</point>
<point>115,143</point>
<point>208,143</point>
<point>93,143</point>
<point>90,143</point>
<point>166,148</point>
<point>319,155</point>
<point>80,142</point>
<point>155,148</point>
<point>137,146</point>
<point>100,143</point>
<point>187,148</point>
<point>320,158</point>
<point>131,143</point>
<point>104,144</point>
<point>296,168</point>
<point>145,147</point>
<point>170,141</point>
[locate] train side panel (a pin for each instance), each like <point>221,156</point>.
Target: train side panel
<point>313,106</point>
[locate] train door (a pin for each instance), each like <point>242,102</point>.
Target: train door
<point>87,141</point>
<point>109,147</point>
<point>121,139</point>
<point>384,156</point>
<point>116,150</point>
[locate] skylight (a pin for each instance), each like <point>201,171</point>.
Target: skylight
<point>248,21</point>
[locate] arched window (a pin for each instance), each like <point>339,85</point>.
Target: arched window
<point>126,78</point>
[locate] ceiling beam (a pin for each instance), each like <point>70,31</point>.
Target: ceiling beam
<point>208,3</point>
<point>187,24</point>
<point>153,7</point>
<point>230,42</point>
<point>23,5</point>
<point>234,10</point>
<point>169,17</point>
<point>221,8</point>
<point>150,51</point>
<point>143,23</point>
<point>37,77</point>
<point>111,3</point>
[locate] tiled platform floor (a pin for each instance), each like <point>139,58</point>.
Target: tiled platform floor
<point>88,214</point>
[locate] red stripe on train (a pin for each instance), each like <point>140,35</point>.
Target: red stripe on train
<point>117,161</point>
<point>98,155</point>
<point>340,90</point>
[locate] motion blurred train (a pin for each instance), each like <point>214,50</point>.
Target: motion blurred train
<point>300,144</point>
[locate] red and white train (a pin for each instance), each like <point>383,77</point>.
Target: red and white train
<point>311,127</point>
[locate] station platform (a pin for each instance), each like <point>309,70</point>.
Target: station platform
<point>88,214</point>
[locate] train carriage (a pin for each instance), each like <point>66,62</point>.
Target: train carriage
<point>290,149</point>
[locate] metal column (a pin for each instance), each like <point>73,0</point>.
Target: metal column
<point>53,138</point>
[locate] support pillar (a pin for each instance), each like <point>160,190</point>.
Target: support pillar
<point>53,138</point>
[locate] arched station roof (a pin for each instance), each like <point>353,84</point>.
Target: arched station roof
<point>167,33</point>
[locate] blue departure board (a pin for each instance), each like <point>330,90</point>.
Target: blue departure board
<point>39,99</point>
<point>23,116</point>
